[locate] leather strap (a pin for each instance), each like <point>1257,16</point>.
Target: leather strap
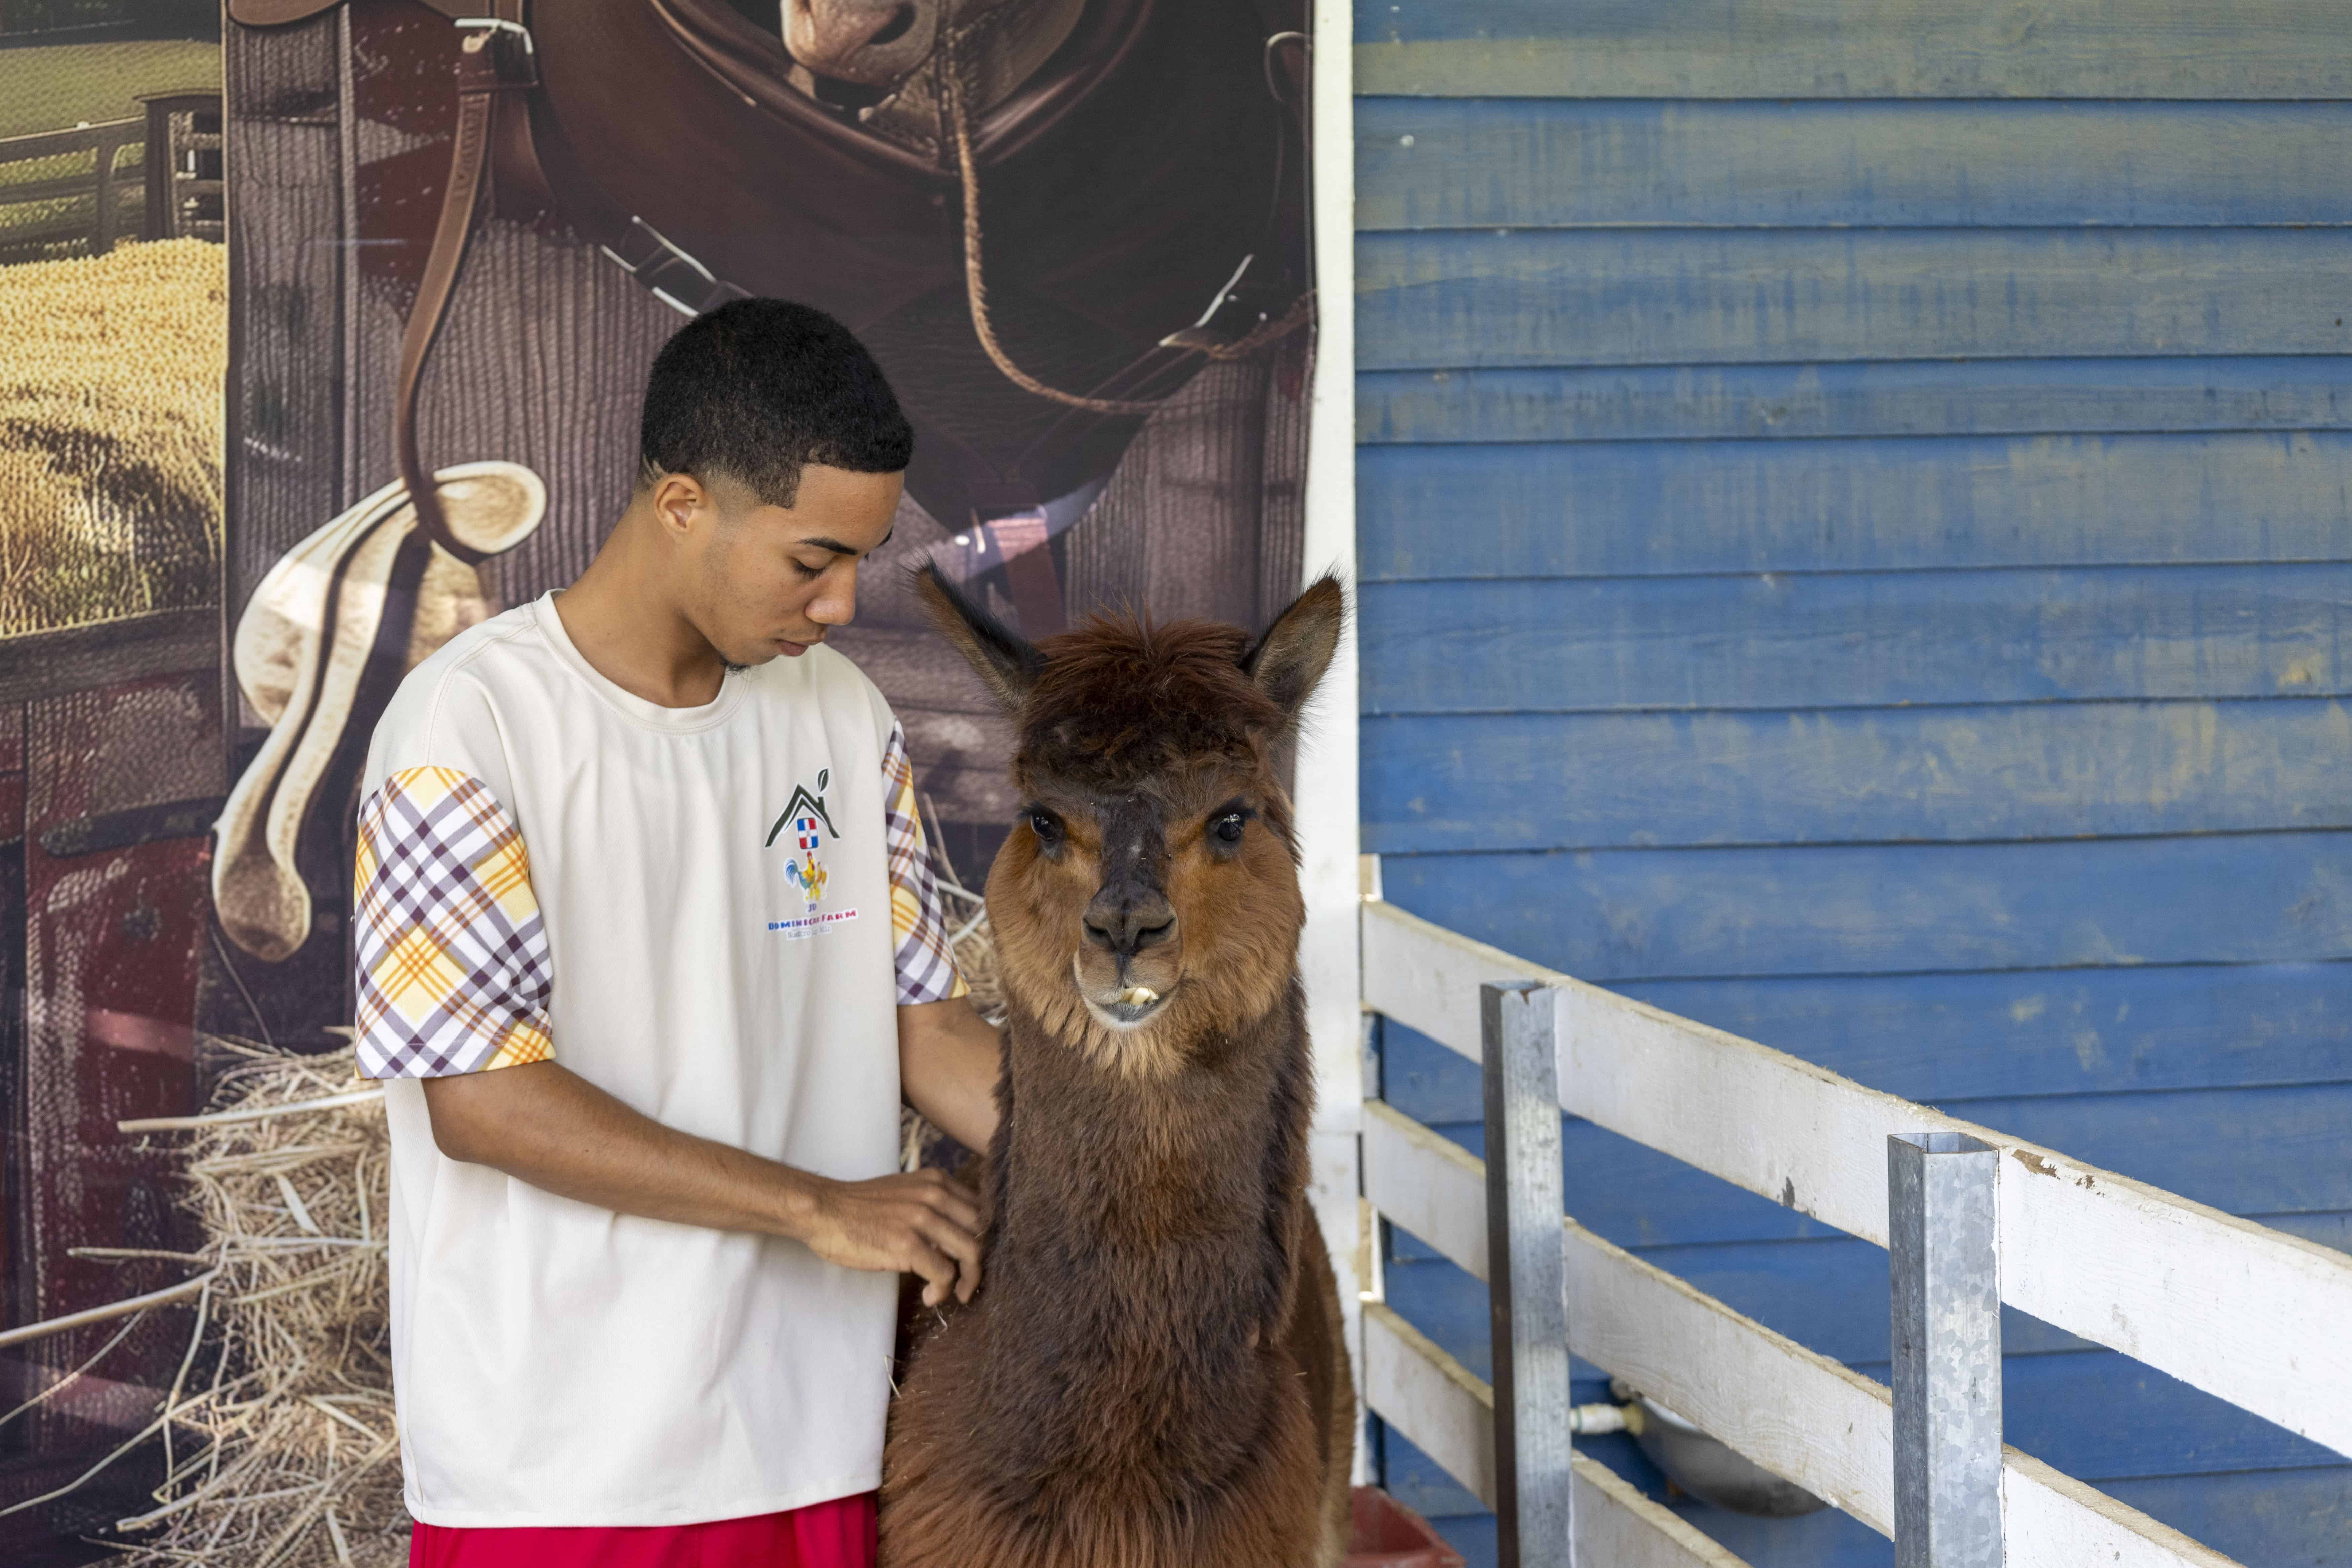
<point>276,13</point>
<point>496,70</point>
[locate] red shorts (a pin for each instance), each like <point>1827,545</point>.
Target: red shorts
<point>836,1534</point>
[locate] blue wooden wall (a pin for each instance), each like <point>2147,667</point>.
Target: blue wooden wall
<point>1855,527</point>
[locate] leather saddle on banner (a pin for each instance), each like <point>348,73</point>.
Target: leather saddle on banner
<point>1139,192</point>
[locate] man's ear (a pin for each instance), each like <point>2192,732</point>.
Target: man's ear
<point>1292,656</point>
<point>1007,665</point>
<point>676,499</point>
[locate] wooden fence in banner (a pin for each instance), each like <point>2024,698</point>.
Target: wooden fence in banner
<point>97,226</point>
<point>2246,1313</point>
<point>176,176</point>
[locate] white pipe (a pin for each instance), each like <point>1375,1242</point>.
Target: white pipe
<point>1592,1420</point>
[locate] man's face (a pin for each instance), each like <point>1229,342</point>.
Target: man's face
<point>769,580</point>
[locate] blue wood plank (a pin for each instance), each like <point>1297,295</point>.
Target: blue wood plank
<point>1854,640</point>
<point>1851,48</point>
<point>2252,1151</point>
<point>1949,1039</point>
<point>1828,1539</point>
<point>2300,1517</point>
<point>1626,915</point>
<point>1637,1197</point>
<point>2261,1152</point>
<point>2280,1152</point>
<point>2102,1416</point>
<point>1675,508</point>
<point>1472,1537</point>
<point>1828,1295</point>
<point>1418,1482</point>
<point>1934,1037</point>
<point>1565,162</point>
<point>2019,770</point>
<point>2323,1229</point>
<point>1449,299</point>
<point>1942,398</point>
<point>1425,1080</point>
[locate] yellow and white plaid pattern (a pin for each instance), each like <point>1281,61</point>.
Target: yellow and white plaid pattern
<point>918,924</point>
<point>454,967</point>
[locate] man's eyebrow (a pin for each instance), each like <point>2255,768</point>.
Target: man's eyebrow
<point>825,541</point>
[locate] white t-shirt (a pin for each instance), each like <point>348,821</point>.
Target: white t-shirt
<point>712,913</point>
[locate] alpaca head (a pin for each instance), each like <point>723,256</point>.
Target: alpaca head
<point>1147,901</point>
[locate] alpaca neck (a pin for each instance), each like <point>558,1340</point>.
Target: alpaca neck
<point>1140,1257</point>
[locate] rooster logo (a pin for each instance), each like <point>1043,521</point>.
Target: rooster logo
<point>806,815</point>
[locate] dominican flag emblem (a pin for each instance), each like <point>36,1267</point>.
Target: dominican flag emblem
<point>811,825</point>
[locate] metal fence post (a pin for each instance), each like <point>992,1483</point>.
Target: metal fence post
<point>1527,1277</point>
<point>1945,1271</point>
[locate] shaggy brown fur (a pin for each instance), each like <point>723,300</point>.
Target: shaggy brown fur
<point>1153,1375</point>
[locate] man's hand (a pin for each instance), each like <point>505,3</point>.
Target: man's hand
<point>544,1124</point>
<point>919,1222</point>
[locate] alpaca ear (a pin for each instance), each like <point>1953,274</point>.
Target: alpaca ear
<point>1007,665</point>
<point>1296,649</point>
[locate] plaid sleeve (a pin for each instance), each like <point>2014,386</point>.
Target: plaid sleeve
<point>454,968</point>
<point>927,971</point>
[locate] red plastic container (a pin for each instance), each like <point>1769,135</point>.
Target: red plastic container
<point>1387,1534</point>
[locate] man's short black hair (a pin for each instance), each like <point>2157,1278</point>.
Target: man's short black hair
<point>758,387</point>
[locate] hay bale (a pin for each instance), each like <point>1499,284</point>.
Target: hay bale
<point>284,1454</point>
<point>111,369</point>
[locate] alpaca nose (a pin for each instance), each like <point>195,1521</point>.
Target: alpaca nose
<point>1124,922</point>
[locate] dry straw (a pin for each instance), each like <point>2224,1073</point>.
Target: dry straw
<point>110,374</point>
<point>280,1446</point>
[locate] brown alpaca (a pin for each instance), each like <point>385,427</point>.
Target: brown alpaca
<point>1152,1374</point>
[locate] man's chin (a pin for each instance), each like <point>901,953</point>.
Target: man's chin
<point>751,655</point>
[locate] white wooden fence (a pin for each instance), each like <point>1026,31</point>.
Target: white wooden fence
<point>2258,1318</point>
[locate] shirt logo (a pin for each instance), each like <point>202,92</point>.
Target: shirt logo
<point>809,823</point>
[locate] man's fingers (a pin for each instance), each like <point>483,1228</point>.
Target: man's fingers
<point>964,1249</point>
<point>938,1271</point>
<point>957,1205</point>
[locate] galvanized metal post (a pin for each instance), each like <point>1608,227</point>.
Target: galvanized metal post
<point>1946,1274</point>
<point>1526,1285</point>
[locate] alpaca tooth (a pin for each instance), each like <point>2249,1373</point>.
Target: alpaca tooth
<point>1138,995</point>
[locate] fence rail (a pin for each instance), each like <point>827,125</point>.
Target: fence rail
<point>1800,1415</point>
<point>1447,1411</point>
<point>105,143</point>
<point>2242,1312</point>
<point>2227,1306</point>
<point>181,146</point>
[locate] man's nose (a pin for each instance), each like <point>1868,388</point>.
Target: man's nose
<point>835,604</point>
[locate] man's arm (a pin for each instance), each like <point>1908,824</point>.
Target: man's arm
<point>544,1124</point>
<point>949,1057</point>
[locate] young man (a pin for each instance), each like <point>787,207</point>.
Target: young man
<point>650,948</point>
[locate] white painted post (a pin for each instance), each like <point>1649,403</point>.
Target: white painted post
<point>1944,1270</point>
<point>1526,1282</point>
<point>1326,776</point>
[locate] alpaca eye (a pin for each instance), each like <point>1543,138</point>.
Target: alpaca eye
<point>1047,826</point>
<point>1228,828</point>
